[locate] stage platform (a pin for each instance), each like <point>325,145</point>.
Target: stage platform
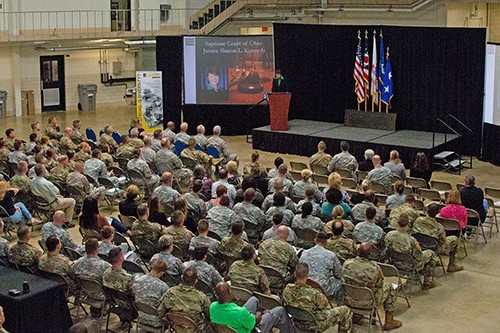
<point>303,136</point>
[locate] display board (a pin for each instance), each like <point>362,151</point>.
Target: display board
<point>492,85</point>
<point>149,100</point>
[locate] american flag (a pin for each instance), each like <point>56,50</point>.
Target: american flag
<point>358,73</point>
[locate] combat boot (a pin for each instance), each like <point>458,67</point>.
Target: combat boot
<point>452,266</point>
<point>390,322</point>
<point>428,283</point>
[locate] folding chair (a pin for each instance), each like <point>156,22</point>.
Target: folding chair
<point>127,220</point>
<point>119,301</point>
<point>460,186</point>
<point>90,134</point>
<point>296,175</point>
<point>103,256</point>
<point>188,162</point>
<point>241,295</point>
<point>429,243</point>
<point>391,275</point>
<point>179,147</point>
<point>431,195</point>
<point>313,284</point>
<point>276,279</point>
<point>361,175</point>
<point>88,233</point>
<point>170,280</point>
<point>349,183</point>
<point>305,237</point>
<point>472,214</point>
<point>491,215</point>
<point>297,166</point>
<point>132,267</point>
<point>362,302</point>
<point>42,245</point>
<point>206,289</point>
<point>344,173</point>
<point>70,253</point>
<point>122,163</point>
<point>119,239</point>
<point>112,192</point>
<point>143,322</point>
<point>91,180</point>
<point>43,206</point>
<point>303,320</point>
<point>181,323</point>
<point>221,328</point>
<point>441,186</point>
<point>453,226</point>
<point>67,290</point>
<point>90,295</point>
<point>122,176</point>
<point>266,302</point>
<point>179,253</point>
<point>406,265</point>
<point>144,248</point>
<point>116,136</point>
<point>137,178</point>
<point>320,180</point>
<point>319,169</point>
<point>378,188</point>
<point>416,183</point>
<point>381,199</point>
<point>77,194</point>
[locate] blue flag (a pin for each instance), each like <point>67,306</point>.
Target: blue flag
<point>381,71</point>
<point>388,88</point>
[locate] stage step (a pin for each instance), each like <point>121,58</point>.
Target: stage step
<point>450,161</point>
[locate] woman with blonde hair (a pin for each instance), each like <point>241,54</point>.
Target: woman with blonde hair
<point>128,207</point>
<point>359,197</point>
<point>18,213</point>
<point>254,162</point>
<point>335,181</point>
<point>454,209</point>
<point>395,165</point>
<point>232,174</point>
<point>300,187</point>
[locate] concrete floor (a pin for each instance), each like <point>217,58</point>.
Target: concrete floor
<point>462,302</point>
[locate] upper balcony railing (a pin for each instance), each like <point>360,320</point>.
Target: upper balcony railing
<point>90,24</point>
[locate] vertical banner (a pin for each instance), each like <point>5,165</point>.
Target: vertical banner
<point>149,100</point>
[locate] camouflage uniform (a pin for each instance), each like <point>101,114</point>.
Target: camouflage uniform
<point>381,175</point>
<point>81,182</point>
<point>95,168</point>
<point>271,233</point>
<point>344,248</point>
<point>61,265</point>
<point>82,156</point>
<point>365,273</point>
<point>66,144</point>
<point>300,187</point>
<point>77,136</point>
<point>136,143</point>
<point>310,222</point>
<point>51,164</point>
<point>269,201</point>
<point>246,274</point>
<point>206,272</point>
<point>202,140</point>
<point>50,229</point>
<point>142,166</point>
<point>108,160</point>
<point>401,242</point>
<point>212,244</point>
<point>168,133</point>
<point>220,219</point>
<point>343,160</point>
<point>149,290</point>
<point>287,214</point>
<point>91,268</point>
<point>4,154</point>
<point>122,281</point>
<point>280,255</point>
<point>155,144</point>
<point>17,156</point>
<point>152,231</point>
<point>4,251</point>
<point>287,185</point>
<point>174,264</point>
<point>190,302</point>
<point>10,143</point>
<point>316,207</point>
<point>58,175</point>
<point>149,155</point>
<point>358,213</point>
<point>125,150</point>
<point>368,232</point>
<point>200,157</point>
<point>195,205</point>
<point>24,254</point>
<point>324,268</point>
<point>108,139</point>
<point>408,210</point>
<point>182,137</point>
<point>320,158</point>
<point>305,297</point>
<point>53,133</point>
<point>22,182</point>
<point>348,228</point>
<point>181,236</point>
<point>166,194</point>
<point>166,160</point>
<point>231,246</point>
<point>221,146</point>
<point>250,213</point>
<point>428,226</point>
<point>395,200</point>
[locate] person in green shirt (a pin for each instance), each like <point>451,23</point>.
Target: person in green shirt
<point>244,318</point>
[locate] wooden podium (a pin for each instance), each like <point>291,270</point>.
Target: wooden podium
<point>279,103</point>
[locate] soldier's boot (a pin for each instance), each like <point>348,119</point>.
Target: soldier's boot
<point>390,322</point>
<point>428,282</point>
<point>452,266</point>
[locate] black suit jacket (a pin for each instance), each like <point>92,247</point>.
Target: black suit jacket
<point>283,87</point>
<point>473,197</point>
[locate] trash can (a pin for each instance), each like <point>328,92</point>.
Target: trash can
<point>3,103</point>
<point>86,93</point>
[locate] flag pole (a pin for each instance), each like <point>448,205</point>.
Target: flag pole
<point>387,108</point>
<point>373,104</point>
<point>358,106</point>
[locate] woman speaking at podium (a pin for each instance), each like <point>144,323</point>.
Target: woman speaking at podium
<point>279,82</point>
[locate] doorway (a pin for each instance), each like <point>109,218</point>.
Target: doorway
<point>52,84</point>
<point>120,15</point>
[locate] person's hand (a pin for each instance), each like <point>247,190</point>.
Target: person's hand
<point>258,317</point>
<point>111,173</point>
<point>17,208</point>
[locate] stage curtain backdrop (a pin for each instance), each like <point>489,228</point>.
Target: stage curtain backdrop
<point>436,71</point>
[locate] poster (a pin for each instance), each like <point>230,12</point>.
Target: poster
<point>149,100</point>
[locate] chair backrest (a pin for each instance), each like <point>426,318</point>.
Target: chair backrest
<point>91,180</point>
<point>145,248</point>
<point>403,261</point>
<point>297,166</point>
<point>302,319</point>
<point>472,214</point>
<point>116,136</point>
<point>178,320</point>
<point>266,302</point>
<point>449,224</point>
<point>89,233</point>
<point>440,185</point>
<point>91,287</point>
<point>119,239</point>
<point>491,204</point>
<point>388,270</point>
<point>296,175</point>
<point>416,182</point>
<point>359,299</point>
<point>381,199</point>
<point>3,213</point>
<point>426,242</point>
<point>310,282</point>
<point>349,183</point>
<point>90,134</point>
<point>214,235</point>
<point>122,163</point>
<point>432,195</point>
<point>170,280</point>
<point>146,308</point>
<point>127,220</point>
<point>213,151</point>
<point>491,192</point>
<point>204,288</point>
<point>132,267</point>
<point>419,204</point>
<point>106,182</point>
<point>120,298</point>
<point>221,328</point>
<point>136,175</point>
<point>241,295</point>
<point>118,172</point>
<point>321,180</point>
<point>378,188</point>
<point>42,245</point>
<point>104,256</point>
<point>41,202</point>
<point>305,237</point>
<point>344,173</point>
<point>277,279</point>
<point>179,147</point>
<point>319,169</point>
<point>361,175</point>
<point>179,253</point>
<point>70,253</point>
<point>75,193</point>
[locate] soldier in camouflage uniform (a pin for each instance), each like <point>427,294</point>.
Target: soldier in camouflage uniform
<point>324,267</point>
<point>362,272</point>
<point>407,208</point>
<point>66,143</point>
<point>302,296</point>
<point>134,139</point>
<point>221,217</point>
<point>175,265</point>
<point>108,139</point>
<point>278,222</point>
<point>22,253</point>
<point>279,207</point>
<point>198,156</point>
<point>149,230</point>
<point>4,152</point>
<point>206,272</point>
<point>156,141</point>
<point>380,174</point>
<point>231,246</point>
<point>344,160</point>
<point>250,213</point>
<point>221,146</point>
<point>300,187</point>
<point>55,262</point>
<point>59,174</point>
<point>200,138</point>
<point>344,248</point>
<point>96,168</point>
<point>283,176</point>
<point>166,160</point>
<point>428,225</point>
<point>182,136</point>
<point>125,149</point>
<point>20,180</point>
<point>106,157</point>
<point>169,132</point>
<point>197,208</point>
<point>186,299</point>
<point>338,215</point>
<point>10,138</point>
<point>149,289</point>
<point>18,154</point>
<point>115,277</point>
<point>203,239</point>
<point>148,153</point>
<point>181,235</point>
<point>277,253</point>
<point>368,231</point>
<point>51,161</point>
<point>306,220</point>
<point>246,274</point>
<point>358,211</point>
<point>4,247</point>
<point>76,135</point>
<point>84,153</point>
<point>55,228</point>
<point>400,241</point>
<point>77,179</point>
<point>137,163</point>
<point>309,193</point>
<point>320,158</point>
<point>53,130</point>
<point>165,193</point>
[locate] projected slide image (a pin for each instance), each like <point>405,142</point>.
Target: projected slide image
<point>227,70</point>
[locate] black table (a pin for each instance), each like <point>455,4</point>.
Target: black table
<point>44,309</point>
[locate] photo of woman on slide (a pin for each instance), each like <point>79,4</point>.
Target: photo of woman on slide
<point>214,90</point>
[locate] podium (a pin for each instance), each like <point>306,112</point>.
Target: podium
<point>279,103</point>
